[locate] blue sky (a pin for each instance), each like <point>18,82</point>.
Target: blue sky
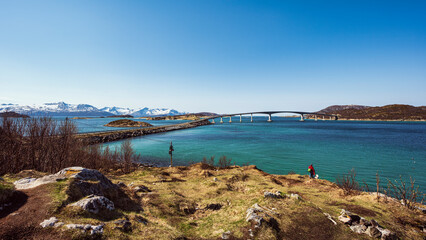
<point>219,56</point>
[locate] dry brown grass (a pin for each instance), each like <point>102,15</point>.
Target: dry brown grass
<point>176,209</point>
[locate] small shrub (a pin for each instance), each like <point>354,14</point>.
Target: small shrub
<point>409,194</point>
<point>208,161</point>
<point>224,162</point>
<point>348,182</point>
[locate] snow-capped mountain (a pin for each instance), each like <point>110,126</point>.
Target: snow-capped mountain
<point>142,112</point>
<point>65,109</point>
<point>117,110</point>
<point>54,109</point>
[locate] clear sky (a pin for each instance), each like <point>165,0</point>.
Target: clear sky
<point>219,56</point>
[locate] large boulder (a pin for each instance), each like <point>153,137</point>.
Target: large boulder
<point>79,173</point>
<point>95,204</point>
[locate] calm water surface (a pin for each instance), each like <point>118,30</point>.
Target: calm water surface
<point>334,147</point>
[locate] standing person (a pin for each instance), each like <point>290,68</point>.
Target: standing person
<point>311,171</point>
<point>171,149</point>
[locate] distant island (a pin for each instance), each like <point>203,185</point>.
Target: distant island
<point>13,115</point>
<point>394,112</point>
<point>127,123</point>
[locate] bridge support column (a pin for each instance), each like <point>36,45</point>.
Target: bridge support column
<point>221,120</point>
<point>251,119</point>
<point>323,118</point>
<point>269,118</point>
<point>316,118</point>
<point>302,118</point>
<point>213,120</point>
<point>230,119</point>
<point>241,120</point>
<point>330,118</point>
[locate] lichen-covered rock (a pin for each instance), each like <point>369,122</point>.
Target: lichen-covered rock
<point>49,222</point>
<point>294,196</point>
<point>373,232</point>
<point>71,172</point>
<point>95,204</point>
<point>358,228</point>
<point>25,183</point>
<point>277,194</point>
<point>387,234</point>
<point>226,235</point>
<point>124,225</point>
<point>94,229</point>
<point>254,216</point>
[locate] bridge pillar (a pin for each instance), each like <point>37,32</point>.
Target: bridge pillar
<point>230,119</point>
<point>316,118</point>
<point>269,118</point>
<point>330,118</point>
<point>213,120</point>
<point>221,120</point>
<point>241,120</point>
<point>302,118</point>
<point>251,120</point>
<point>323,118</point>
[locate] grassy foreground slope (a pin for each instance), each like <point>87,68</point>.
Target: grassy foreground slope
<point>201,202</point>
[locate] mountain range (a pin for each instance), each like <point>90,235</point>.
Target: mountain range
<point>66,109</point>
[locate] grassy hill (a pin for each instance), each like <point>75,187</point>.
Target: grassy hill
<point>388,112</point>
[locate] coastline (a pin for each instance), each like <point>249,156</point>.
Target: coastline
<point>373,120</point>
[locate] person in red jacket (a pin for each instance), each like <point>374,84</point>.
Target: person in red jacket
<point>311,171</point>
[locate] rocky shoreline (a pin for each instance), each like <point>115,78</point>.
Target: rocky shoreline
<point>103,137</point>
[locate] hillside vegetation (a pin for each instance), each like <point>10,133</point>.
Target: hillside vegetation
<point>206,202</point>
<point>388,112</point>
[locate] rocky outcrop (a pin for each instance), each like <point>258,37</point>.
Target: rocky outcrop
<point>67,173</point>
<point>361,225</point>
<point>94,229</point>
<point>95,204</point>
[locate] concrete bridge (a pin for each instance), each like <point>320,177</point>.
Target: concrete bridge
<point>269,113</point>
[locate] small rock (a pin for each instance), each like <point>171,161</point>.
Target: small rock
<point>373,232</point>
<point>87,227</point>
<point>49,222</point>
<point>374,223</point>
<point>215,179</point>
<point>421,209</point>
<point>141,188</point>
<point>294,196</point>
<point>253,216</point>
<point>141,219</point>
<point>58,224</point>
<point>226,235</point>
<point>345,219</point>
<point>99,229</point>
<point>358,228</point>
<point>387,234</point>
<point>364,222</point>
<point>124,225</point>
<point>74,226</point>
<point>121,184</point>
<point>277,194</point>
<point>94,204</point>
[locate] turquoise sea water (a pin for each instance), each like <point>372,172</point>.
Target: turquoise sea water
<point>286,144</point>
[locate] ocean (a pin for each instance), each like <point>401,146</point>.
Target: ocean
<point>392,149</point>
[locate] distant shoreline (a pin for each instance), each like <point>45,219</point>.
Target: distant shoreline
<point>375,120</point>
